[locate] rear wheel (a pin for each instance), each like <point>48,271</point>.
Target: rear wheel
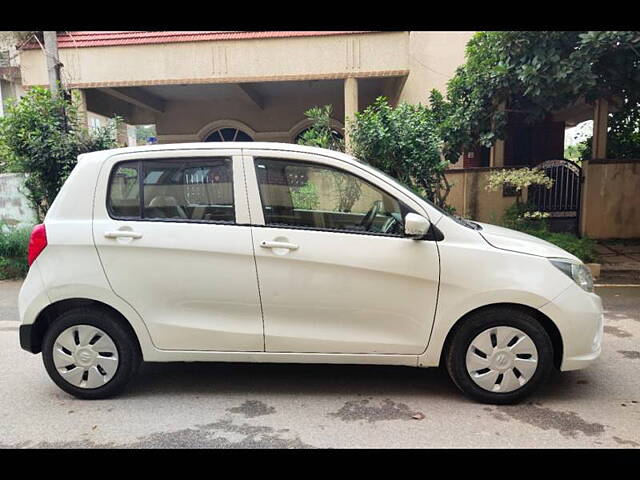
<point>500,355</point>
<point>89,354</point>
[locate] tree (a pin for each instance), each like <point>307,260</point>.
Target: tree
<point>42,136</point>
<point>404,143</point>
<point>531,74</point>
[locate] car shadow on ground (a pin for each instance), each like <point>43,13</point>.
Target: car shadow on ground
<point>159,379</point>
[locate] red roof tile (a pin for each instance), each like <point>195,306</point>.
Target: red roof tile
<point>107,39</point>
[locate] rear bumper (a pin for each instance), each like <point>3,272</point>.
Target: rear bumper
<point>579,318</point>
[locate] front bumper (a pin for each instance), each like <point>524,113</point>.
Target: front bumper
<point>579,318</point>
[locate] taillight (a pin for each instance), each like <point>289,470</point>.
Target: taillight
<point>37,242</point>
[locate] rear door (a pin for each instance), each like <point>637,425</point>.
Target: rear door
<point>336,273</point>
<point>171,229</point>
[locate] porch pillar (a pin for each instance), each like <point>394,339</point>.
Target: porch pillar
<point>600,121</point>
<point>496,154</point>
<point>350,107</point>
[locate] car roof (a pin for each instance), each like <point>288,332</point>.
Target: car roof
<point>290,147</point>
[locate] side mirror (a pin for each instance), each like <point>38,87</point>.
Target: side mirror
<point>416,226</point>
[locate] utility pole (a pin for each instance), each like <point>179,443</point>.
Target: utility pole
<point>53,61</point>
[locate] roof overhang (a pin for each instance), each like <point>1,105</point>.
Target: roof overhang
<point>259,57</point>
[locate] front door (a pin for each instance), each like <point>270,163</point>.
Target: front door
<point>336,274</point>
<point>173,237</point>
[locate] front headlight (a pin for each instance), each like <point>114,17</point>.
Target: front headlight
<point>578,272</point>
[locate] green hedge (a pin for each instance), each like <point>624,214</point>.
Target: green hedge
<point>14,244</point>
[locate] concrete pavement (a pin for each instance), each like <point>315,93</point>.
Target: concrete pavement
<point>293,406</point>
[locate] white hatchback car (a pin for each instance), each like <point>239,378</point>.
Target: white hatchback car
<point>266,252</point>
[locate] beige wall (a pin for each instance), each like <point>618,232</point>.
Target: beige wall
<point>336,56</point>
<point>433,58</point>
<point>471,199</point>
<point>611,199</point>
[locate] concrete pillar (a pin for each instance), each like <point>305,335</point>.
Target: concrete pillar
<point>350,107</point>
<point>600,123</point>
<point>496,154</point>
<point>583,227</point>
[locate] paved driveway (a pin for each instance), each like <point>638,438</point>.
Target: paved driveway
<point>290,406</point>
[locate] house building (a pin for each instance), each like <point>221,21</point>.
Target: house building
<point>216,86</point>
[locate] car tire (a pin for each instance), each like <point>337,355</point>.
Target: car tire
<point>107,372</point>
<point>484,333</point>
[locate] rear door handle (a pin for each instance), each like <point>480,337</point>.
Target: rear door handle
<point>287,245</point>
<point>122,234</point>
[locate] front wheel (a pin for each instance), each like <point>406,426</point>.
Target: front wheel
<point>500,356</point>
<point>89,354</point>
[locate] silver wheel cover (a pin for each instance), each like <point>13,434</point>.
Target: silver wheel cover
<point>85,356</point>
<point>501,359</point>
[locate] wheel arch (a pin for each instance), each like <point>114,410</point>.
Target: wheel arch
<point>546,323</point>
<point>51,312</point>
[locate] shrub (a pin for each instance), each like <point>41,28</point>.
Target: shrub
<point>321,134</point>
<point>525,218</point>
<point>14,244</point>
<point>403,142</point>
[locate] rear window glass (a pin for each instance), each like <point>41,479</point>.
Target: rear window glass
<point>124,191</point>
<point>198,190</point>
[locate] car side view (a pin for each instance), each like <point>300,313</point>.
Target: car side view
<point>267,252</point>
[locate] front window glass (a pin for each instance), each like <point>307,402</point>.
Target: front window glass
<point>308,195</point>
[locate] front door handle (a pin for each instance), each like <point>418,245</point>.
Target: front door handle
<point>122,234</point>
<point>273,244</point>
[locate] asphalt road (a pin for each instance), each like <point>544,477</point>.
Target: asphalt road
<point>292,406</point>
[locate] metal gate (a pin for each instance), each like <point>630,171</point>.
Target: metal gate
<point>562,201</point>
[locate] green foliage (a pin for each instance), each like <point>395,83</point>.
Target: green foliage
<point>533,74</point>
<point>525,218</point>
<point>320,133</point>
<point>576,152</point>
<point>518,179</point>
<point>305,197</point>
<point>42,136</point>
<point>14,243</point>
<point>402,142</point>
